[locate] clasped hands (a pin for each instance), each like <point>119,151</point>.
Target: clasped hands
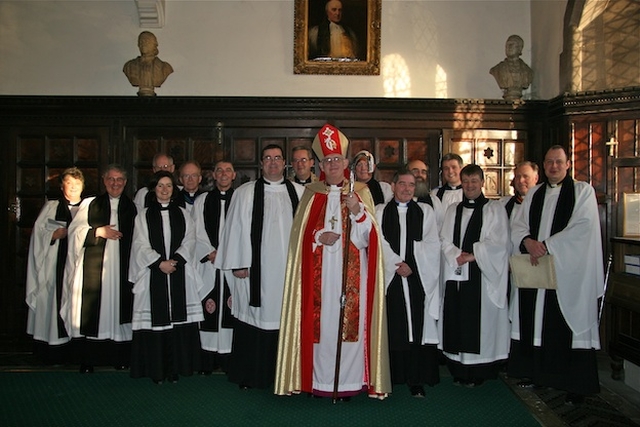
<point>464,258</point>
<point>535,248</point>
<point>403,269</point>
<point>168,266</point>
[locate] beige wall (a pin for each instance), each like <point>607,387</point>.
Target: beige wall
<point>440,49</point>
<point>547,19</point>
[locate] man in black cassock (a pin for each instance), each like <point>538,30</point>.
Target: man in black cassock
<point>209,215</point>
<point>97,301</point>
<point>474,323</point>
<point>411,248</point>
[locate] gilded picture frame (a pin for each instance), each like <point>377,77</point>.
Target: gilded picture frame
<point>360,23</point>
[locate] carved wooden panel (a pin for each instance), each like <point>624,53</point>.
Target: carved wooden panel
<point>495,151</point>
<point>181,143</point>
<point>359,144</point>
<point>417,150</point>
<point>245,151</point>
<point>580,151</point>
<point>628,131</point>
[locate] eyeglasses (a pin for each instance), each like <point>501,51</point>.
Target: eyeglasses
<point>190,175</point>
<point>163,167</point>
<point>419,171</point>
<point>332,159</point>
<point>303,160</point>
<point>118,179</point>
<point>272,158</point>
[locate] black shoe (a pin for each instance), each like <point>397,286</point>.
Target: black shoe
<point>121,367</point>
<point>205,373</point>
<point>344,399</point>
<point>86,369</point>
<point>574,399</point>
<point>244,387</point>
<point>173,378</point>
<point>474,383</point>
<point>526,384</point>
<point>458,381</point>
<point>416,390</point>
<point>158,382</point>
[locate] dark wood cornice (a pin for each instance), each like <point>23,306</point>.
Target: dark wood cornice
<point>272,111</point>
<point>596,102</point>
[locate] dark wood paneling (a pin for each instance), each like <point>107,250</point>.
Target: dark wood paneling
<point>91,132</point>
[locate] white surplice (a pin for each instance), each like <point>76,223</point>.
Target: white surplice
<point>42,320</point>
<point>450,197</point>
<point>427,256</point>
<point>577,255</point>
<point>109,323</point>
<point>236,241</point>
<point>211,341</point>
<point>492,255</point>
<point>143,255</point>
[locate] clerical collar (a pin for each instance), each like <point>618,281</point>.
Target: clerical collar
<point>477,202</point>
<point>266,181</point>
<point>554,185</point>
<point>164,206</point>
<point>73,205</point>
<point>401,204</point>
<point>455,187</point>
<point>519,198</point>
<point>303,181</point>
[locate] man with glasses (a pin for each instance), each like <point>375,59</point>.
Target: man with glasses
<point>190,177</point>
<point>302,163</point>
<point>254,242</point>
<point>334,282</point>
<point>97,301</point>
<point>420,171</point>
<point>160,162</point>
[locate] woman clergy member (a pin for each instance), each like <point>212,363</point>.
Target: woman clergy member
<point>166,306</point>
<point>45,271</point>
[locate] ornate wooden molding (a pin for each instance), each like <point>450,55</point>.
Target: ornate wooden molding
<point>151,13</point>
<point>602,101</point>
<point>275,111</point>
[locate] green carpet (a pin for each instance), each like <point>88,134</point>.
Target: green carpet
<point>110,398</point>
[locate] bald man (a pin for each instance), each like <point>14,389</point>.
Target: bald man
<point>420,170</point>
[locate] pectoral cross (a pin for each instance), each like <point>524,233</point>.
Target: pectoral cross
<point>333,221</point>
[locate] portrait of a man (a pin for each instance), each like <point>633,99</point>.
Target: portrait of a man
<point>337,30</point>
